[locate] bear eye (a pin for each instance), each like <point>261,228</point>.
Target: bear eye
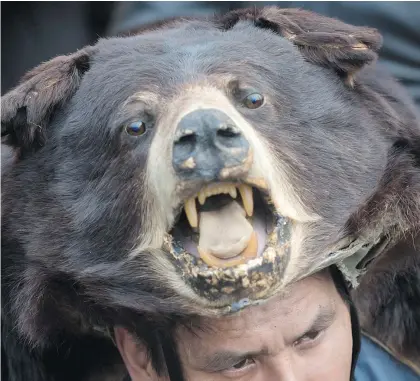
<point>136,129</point>
<point>254,100</point>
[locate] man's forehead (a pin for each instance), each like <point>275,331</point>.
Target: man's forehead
<point>312,293</point>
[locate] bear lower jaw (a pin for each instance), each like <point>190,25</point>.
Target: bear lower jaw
<point>228,289</point>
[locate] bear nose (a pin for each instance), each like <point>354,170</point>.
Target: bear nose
<point>206,142</point>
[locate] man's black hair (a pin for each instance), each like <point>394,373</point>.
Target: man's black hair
<point>159,338</point>
<point>344,291</point>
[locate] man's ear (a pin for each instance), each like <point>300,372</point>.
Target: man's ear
<point>26,110</point>
<point>322,40</point>
<point>135,356</point>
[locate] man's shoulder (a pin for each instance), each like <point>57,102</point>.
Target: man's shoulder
<point>376,363</point>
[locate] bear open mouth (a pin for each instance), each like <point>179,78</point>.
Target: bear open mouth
<point>230,244</point>
<point>225,224</point>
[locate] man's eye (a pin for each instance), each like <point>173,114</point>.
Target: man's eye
<point>308,337</point>
<point>240,367</point>
<point>241,364</point>
<point>312,335</point>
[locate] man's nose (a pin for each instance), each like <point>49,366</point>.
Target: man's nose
<point>206,142</point>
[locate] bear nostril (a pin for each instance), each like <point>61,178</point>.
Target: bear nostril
<point>187,139</point>
<point>185,144</point>
<point>227,132</point>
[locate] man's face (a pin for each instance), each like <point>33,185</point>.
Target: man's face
<point>304,335</point>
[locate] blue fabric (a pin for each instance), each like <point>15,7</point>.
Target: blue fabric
<point>375,364</point>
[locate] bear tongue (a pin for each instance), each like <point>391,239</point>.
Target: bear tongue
<point>224,233</point>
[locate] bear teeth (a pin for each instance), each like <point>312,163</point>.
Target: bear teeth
<point>191,212</point>
<point>245,191</point>
<point>214,189</point>
<point>247,199</point>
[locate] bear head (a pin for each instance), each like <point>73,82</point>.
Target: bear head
<point>199,167</point>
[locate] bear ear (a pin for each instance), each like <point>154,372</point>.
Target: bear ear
<point>25,110</point>
<point>322,40</point>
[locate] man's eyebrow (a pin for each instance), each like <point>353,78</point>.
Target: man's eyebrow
<point>322,320</point>
<point>324,317</point>
<point>222,360</point>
